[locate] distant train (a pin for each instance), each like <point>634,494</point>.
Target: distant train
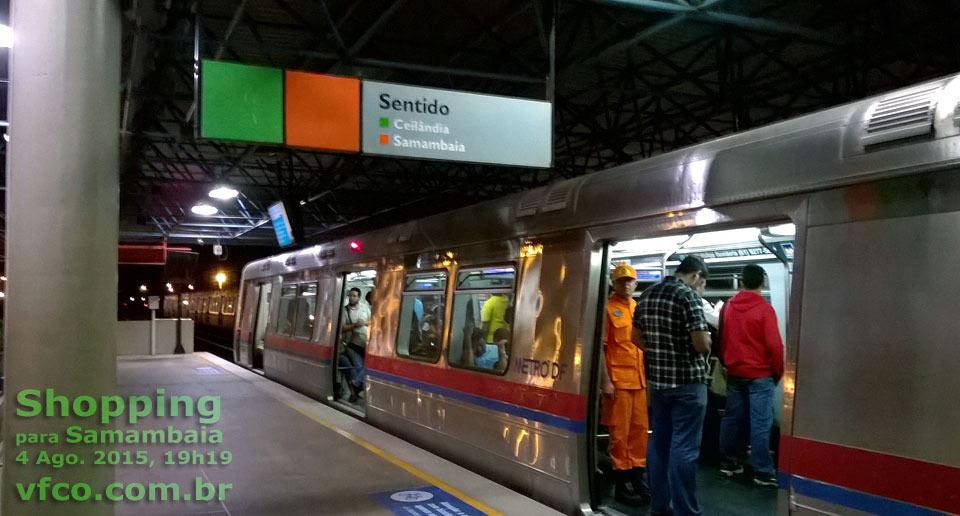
<point>214,308</point>
<point>854,212</point>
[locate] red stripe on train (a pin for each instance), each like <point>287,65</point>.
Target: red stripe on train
<point>909,480</point>
<point>558,403</point>
<point>299,346</point>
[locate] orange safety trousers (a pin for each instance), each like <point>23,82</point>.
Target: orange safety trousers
<point>626,418</point>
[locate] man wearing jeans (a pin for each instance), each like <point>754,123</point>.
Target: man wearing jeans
<point>355,322</point>
<point>670,328</point>
<point>753,353</point>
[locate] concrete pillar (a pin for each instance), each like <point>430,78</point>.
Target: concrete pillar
<point>62,225</point>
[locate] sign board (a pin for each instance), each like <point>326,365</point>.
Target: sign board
<point>648,275</point>
<point>181,266</point>
<point>153,302</point>
<point>321,111</point>
<point>425,501</point>
<point>413,122</point>
<point>241,102</point>
<point>281,224</point>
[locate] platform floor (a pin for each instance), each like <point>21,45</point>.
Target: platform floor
<point>291,454</point>
<point>718,497</point>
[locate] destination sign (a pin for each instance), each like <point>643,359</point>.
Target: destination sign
<point>413,122</point>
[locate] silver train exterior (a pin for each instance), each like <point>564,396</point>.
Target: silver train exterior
<point>869,416</point>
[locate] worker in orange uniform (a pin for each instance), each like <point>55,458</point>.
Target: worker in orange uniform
<point>624,388</point>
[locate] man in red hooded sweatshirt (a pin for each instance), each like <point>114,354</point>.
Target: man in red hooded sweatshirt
<point>752,350</point>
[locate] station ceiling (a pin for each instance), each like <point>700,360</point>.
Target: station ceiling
<point>628,78</point>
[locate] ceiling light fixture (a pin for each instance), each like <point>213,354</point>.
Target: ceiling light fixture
<point>6,36</point>
<point>223,193</point>
<point>204,209</point>
<point>783,230</point>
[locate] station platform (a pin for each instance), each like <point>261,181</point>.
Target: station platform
<point>292,455</point>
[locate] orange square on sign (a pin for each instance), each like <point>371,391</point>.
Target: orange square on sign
<point>321,111</point>
<point>384,139</point>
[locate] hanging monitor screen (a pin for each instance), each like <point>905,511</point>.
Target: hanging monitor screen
<point>281,224</point>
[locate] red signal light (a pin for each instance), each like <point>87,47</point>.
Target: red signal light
<point>355,246</point>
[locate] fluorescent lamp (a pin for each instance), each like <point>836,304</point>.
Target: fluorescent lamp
<point>727,237</point>
<point>204,209</point>
<point>783,230</point>
<point>6,137</point>
<point>223,193</point>
<point>648,246</point>
<point>6,36</point>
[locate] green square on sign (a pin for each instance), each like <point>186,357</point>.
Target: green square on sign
<point>384,122</point>
<point>241,102</point>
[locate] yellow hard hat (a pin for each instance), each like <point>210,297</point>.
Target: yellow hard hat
<point>624,271</point>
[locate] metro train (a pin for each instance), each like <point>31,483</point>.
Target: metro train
<point>854,212</point>
<point>213,308</point>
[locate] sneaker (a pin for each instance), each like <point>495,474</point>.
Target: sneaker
<point>729,469</point>
<point>353,393</point>
<point>625,491</point>
<point>765,480</point>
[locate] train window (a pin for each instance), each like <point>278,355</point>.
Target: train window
<point>203,305</point>
<point>287,314</point>
<point>421,316</point>
<point>215,305</point>
<point>228,306</point>
<point>480,334</point>
<point>306,308</point>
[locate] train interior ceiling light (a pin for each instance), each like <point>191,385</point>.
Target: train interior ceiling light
<point>677,243</point>
<point>6,36</point>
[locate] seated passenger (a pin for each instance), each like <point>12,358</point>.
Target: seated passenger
<point>489,355</point>
<point>501,338</point>
<point>425,340</point>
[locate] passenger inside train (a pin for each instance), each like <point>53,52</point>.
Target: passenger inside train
<point>421,316</point>
<point>354,334</point>
<point>482,313</point>
<point>354,331</point>
<point>736,483</point>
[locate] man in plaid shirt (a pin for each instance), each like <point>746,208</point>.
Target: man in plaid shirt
<point>670,328</point>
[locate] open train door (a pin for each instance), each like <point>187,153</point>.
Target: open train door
<point>263,291</point>
<point>253,324</point>
<point>726,253</point>
<point>349,387</point>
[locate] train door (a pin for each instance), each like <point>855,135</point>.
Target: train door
<point>353,331</point>
<point>726,254</point>
<point>253,325</point>
<point>243,354</point>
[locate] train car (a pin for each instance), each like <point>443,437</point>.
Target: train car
<point>854,213</point>
<point>214,308</point>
